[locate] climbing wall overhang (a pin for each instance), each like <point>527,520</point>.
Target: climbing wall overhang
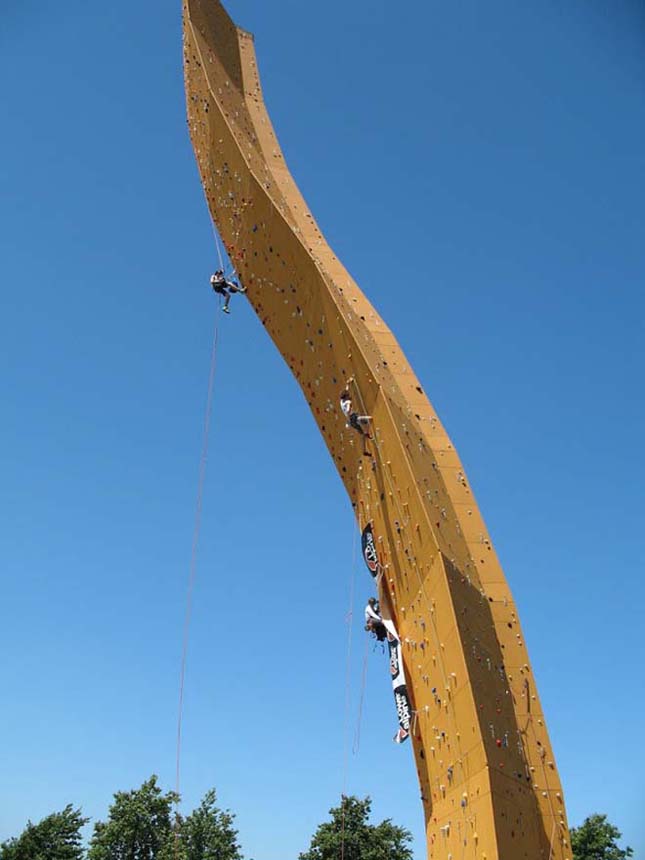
<point>489,784</point>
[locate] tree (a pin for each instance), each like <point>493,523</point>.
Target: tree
<point>349,835</point>
<point>208,833</point>
<point>595,839</point>
<point>139,826</point>
<point>56,837</point>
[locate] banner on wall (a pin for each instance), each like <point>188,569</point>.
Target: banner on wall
<point>369,549</point>
<point>397,672</point>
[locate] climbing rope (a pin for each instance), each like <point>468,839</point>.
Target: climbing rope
<point>193,555</point>
<point>217,245</point>
<point>357,732</point>
<point>348,670</point>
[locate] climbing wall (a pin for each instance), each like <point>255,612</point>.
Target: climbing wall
<point>489,784</point>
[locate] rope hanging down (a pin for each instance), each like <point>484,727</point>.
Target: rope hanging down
<point>193,556</point>
<point>219,250</point>
<point>348,671</point>
<point>222,266</point>
<point>357,733</point>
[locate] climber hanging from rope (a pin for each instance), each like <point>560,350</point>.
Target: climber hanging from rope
<point>225,287</point>
<point>354,420</point>
<point>373,619</point>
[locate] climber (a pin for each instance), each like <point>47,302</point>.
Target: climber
<point>373,610</point>
<point>355,420</point>
<point>373,620</point>
<point>225,288</point>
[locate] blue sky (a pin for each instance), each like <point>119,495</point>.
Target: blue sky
<point>480,169</point>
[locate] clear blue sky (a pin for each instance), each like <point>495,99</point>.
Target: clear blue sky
<point>480,169</point>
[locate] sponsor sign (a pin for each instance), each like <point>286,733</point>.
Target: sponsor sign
<point>401,698</point>
<point>369,549</point>
<point>403,707</point>
<point>401,736</point>
<point>394,647</point>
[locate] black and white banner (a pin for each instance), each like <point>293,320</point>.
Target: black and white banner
<point>401,700</point>
<point>369,550</point>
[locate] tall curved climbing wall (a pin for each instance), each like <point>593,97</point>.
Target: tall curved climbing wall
<point>489,784</point>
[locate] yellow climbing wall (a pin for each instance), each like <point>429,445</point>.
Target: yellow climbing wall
<point>489,784</point>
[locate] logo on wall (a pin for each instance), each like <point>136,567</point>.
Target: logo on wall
<point>404,713</point>
<point>369,549</point>
<point>393,646</point>
<point>401,698</point>
<point>401,735</point>
<point>403,707</point>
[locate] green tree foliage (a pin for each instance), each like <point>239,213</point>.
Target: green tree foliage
<point>350,835</point>
<point>208,833</point>
<point>139,826</point>
<point>56,837</point>
<point>596,839</point>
